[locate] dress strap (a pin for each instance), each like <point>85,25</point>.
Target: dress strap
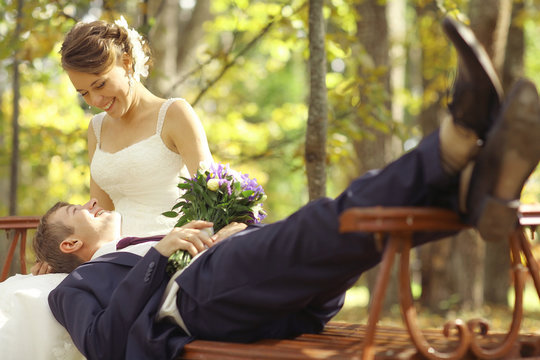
<point>163,112</point>
<point>97,120</point>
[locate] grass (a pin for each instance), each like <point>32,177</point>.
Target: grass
<point>355,310</point>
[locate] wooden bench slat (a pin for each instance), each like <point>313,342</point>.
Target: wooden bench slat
<point>338,341</point>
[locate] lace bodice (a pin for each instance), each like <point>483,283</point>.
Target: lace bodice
<point>141,179</point>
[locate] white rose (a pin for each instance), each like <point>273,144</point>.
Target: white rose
<point>256,210</point>
<point>213,184</point>
<point>204,166</point>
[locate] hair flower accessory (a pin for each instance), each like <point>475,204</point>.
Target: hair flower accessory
<point>140,59</point>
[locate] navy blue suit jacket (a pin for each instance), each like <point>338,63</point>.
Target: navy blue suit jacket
<point>111,304</point>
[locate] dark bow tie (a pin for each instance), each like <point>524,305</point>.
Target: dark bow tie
<point>132,240</point>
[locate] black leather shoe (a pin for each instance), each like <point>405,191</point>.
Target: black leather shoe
<point>477,92</point>
<point>510,155</point>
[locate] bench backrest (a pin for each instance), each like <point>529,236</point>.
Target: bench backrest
<point>16,228</point>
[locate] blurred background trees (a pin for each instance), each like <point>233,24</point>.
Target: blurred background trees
<point>244,66</point>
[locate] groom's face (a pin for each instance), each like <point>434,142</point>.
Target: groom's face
<point>90,222</point>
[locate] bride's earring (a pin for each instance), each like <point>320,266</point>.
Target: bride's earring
<point>130,82</point>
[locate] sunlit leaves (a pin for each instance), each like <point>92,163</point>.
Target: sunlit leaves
<point>255,114</point>
<point>52,141</point>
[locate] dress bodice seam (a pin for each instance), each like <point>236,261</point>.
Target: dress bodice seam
<point>97,123</point>
<point>138,143</point>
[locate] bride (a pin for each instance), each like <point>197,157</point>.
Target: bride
<point>139,147</point>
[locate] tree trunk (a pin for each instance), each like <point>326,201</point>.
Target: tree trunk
<point>315,148</point>
<point>397,31</point>
<point>14,170</point>
<point>490,24</point>
<point>489,21</point>
<point>14,178</point>
<point>452,278</point>
<point>433,257</point>
<point>498,262</point>
<point>4,169</point>
<point>14,173</point>
<point>4,182</point>
<point>436,291</point>
<point>376,148</point>
<point>176,33</point>
<point>513,67</point>
<point>467,270</point>
<point>190,32</point>
<point>164,40</point>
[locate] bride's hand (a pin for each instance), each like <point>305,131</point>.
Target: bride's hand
<point>41,268</point>
<point>228,230</point>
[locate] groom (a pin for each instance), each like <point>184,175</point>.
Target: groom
<point>289,277</point>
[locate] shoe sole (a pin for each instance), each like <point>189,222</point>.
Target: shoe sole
<point>510,155</point>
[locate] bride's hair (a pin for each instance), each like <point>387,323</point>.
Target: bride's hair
<point>47,241</point>
<point>96,46</point>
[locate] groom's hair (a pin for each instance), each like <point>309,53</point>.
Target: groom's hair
<point>49,235</point>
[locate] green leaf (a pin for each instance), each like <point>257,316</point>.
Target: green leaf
<point>170,214</point>
<point>207,199</point>
<point>179,204</point>
<point>183,221</point>
<point>184,186</point>
<point>190,197</point>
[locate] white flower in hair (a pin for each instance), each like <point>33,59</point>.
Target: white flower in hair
<point>140,59</point>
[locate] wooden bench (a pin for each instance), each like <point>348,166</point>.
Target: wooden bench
<point>458,340</point>
<point>345,341</point>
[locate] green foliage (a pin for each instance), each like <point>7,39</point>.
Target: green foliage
<point>256,114</point>
<point>43,24</point>
<point>52,140</point>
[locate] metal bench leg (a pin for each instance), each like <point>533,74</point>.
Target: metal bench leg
<point>408,312</point>
<point>377,299</point>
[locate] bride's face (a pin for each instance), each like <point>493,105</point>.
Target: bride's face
<point>108,91</point>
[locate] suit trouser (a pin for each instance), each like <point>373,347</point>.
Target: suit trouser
<point>290,277</point>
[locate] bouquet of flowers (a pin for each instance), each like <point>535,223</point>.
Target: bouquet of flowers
<point>218,194</point>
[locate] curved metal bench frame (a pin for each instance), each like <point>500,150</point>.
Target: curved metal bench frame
<point>399,225</point>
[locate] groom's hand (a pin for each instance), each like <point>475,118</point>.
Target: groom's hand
<point>228,230</point>
<point>191,237</point>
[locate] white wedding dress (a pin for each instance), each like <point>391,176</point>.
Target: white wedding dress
<point>28,329</point>
<point>142,181</point>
